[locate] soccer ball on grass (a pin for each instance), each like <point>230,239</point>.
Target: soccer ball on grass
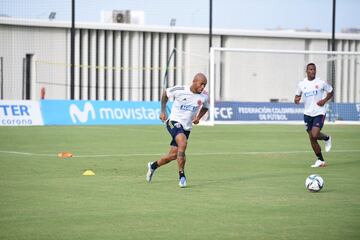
<point>314,183</point>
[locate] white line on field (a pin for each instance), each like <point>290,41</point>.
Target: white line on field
<point>160,154</point>
<point>28,154</point>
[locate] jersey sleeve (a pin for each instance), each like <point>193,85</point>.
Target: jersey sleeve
<point>170,92</point>
<point>327,87</point>
<point>206,103</point>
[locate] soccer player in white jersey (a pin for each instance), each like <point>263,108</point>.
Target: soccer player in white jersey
<point>315,93</point>
<point>184,112</point>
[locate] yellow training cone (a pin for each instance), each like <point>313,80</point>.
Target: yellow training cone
<point>88,173</point>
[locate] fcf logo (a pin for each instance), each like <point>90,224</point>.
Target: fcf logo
<point>82,116</point>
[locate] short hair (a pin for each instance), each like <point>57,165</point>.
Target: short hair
<point>310,64</point>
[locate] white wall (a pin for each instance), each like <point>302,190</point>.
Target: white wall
<point>130,61</point>
<point>48,46</point>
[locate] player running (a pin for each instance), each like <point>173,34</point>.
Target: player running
<point>184,112</point>
<point>313,90</point>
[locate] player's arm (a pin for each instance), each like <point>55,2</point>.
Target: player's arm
<point>164,100</point>
<point>298,94</point>
<point>297,99</point>
<point>201,113</point>
<point>327,98</point>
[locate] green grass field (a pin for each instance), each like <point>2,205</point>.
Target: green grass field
<point>244,182</point>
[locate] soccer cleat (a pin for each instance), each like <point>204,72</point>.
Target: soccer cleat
<point>328,145</point>
<point>319,163</point>
<point>150,172</point>
<point>182,182</point>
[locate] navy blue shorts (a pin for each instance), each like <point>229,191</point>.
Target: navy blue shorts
<point>175,128</point>
<point>317,121</point>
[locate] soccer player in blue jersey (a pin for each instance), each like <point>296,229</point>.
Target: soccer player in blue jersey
<point>189,106</point>
<point>315,93</point>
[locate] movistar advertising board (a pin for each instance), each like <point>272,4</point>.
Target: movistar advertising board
<point>62,112</point>
<point>57,112</point>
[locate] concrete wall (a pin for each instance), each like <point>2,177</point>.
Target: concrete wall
<point>128,62</point>
<point>48,45</point>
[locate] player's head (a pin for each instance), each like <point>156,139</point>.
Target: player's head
<point>311,71</point>
<point>199,83</point>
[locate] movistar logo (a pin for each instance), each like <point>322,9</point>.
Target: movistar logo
<point>82,116</point>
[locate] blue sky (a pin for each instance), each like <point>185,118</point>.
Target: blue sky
<point>234,14</point>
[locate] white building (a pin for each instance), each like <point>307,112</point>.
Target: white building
<point>117,61</point>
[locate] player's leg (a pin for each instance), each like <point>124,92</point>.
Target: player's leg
<point>322,136</point>
<point>179,137</point>
<point>181,141</point>
<point>314,135</point>
<point>172,155</point>
<point>313,127</point>
<point>319,121</point>
<point>309,126</point>
<point>327,139</point>
<point>316,147</point>
<point>152,166</point>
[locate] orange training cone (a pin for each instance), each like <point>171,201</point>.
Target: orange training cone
<point>65,155</point>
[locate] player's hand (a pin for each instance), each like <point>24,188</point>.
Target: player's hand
<point>297,99</point>
<point>163,116</point>
<point>196,120</point>
<point>321,103</point>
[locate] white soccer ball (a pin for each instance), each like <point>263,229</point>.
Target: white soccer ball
<point>314,183</point>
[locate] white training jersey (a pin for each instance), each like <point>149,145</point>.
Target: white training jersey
<point>186,104</point>
<point>312,92</point>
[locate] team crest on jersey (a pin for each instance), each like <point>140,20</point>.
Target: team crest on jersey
<point>199,102</point>
<point>316,86</point>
